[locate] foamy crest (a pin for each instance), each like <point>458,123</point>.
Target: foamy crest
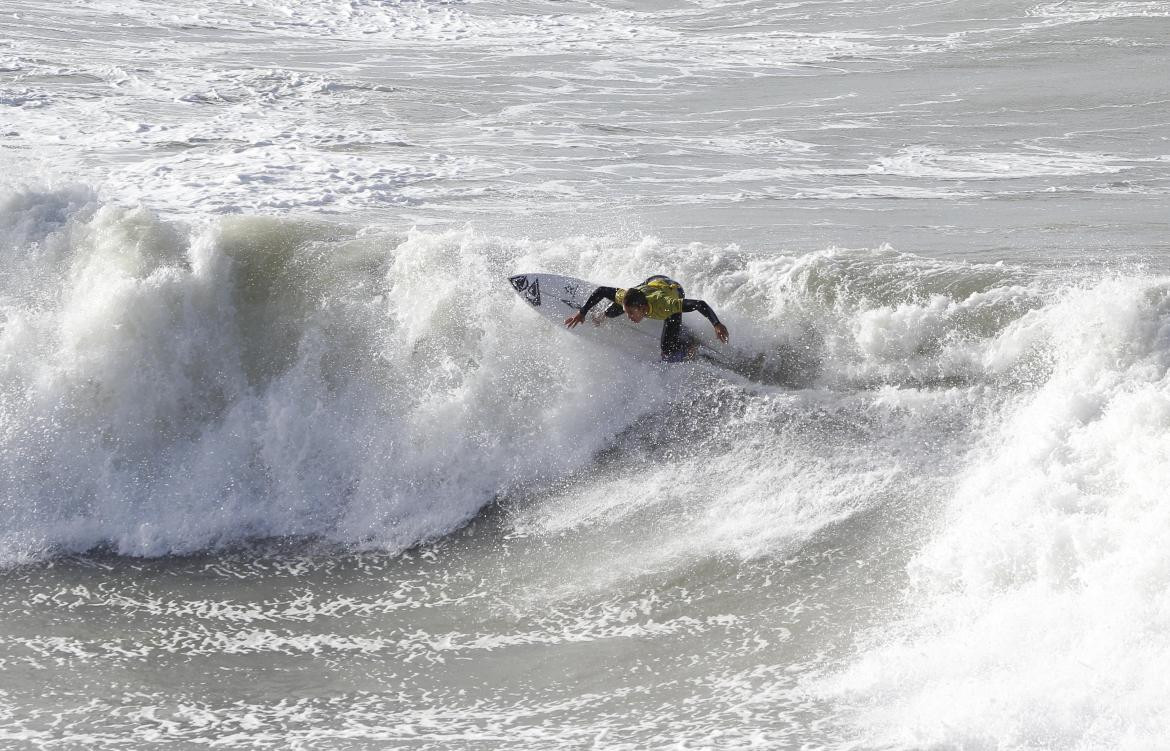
<point>1038,609</point>
<point>172,392</point>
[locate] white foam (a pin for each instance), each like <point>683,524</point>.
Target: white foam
<point>925,161</point>
<point>175,393</point>
<point>173,389</point>
<point>1061,13</point>
<point>1037,614</point>
<point>204,127</point>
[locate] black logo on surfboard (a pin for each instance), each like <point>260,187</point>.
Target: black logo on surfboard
<point>530,290</point>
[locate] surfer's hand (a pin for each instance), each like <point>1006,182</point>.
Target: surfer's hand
<point>574,319</point>
<point>721,332</point>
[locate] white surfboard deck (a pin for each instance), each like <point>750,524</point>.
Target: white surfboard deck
<point>557,297</point>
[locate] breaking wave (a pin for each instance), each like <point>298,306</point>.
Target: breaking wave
<point>170,388</point>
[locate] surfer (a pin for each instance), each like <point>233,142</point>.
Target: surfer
<point>660,298</point>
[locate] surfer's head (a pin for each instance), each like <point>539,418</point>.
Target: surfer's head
<point>636,305</point>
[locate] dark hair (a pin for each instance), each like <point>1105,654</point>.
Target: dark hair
<point>636,298</point>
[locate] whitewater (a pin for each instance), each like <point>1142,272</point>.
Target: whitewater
<point>285,463</point>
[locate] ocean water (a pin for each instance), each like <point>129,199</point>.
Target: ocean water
<point>285,464</point>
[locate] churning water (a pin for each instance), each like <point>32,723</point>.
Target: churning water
<point>284,462</point>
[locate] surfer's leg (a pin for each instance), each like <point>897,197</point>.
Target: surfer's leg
<point>675,343</point>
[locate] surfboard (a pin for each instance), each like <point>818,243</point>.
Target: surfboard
<point>557,297</point>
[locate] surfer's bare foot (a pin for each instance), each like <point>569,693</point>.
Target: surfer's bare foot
<point>721,332</point>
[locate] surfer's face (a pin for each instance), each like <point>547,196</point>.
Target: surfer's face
<point>636,313</point>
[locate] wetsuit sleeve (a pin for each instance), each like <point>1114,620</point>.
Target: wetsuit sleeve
<point>699,306</point>
<point>607,293</point>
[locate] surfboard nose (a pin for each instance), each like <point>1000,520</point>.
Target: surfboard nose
<point>529,289</point>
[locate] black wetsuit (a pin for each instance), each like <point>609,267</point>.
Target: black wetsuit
<point>674,345</point>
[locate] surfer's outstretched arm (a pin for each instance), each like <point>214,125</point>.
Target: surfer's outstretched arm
<point>599,294</point>
<point>700,306</point>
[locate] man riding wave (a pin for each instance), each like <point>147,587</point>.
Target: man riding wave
<point>660,298</point>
